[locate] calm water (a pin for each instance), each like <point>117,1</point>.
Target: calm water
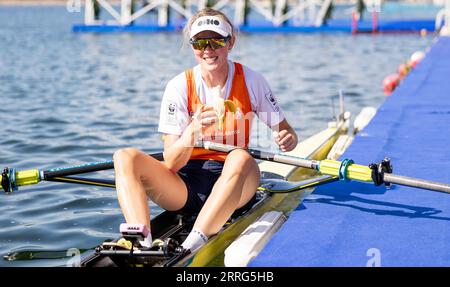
<point>74,98</point>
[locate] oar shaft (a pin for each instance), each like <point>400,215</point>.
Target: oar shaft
<point>286,159</point>
<point>418,183</point>
<point>14,178</point>
<point>263,155</point>
<point>86,181</point>
<point>78,169</point>
<point>86,168</point>
<point>345,170</point>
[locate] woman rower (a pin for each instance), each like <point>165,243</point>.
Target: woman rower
<point>194,180</point>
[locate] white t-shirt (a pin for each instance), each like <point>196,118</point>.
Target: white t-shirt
<point>174,116</point>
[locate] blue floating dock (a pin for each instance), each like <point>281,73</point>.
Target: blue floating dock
<point>358,224</point>
<point>338,25</point>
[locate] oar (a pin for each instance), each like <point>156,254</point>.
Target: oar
<point>85,181</point>
<point>12,179</point>
<point>282,186</point>
<point>344,170</point>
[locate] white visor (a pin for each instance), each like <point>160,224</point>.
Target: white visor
<point>211,23</point>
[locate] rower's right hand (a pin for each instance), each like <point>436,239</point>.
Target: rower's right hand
<point>204,117</point>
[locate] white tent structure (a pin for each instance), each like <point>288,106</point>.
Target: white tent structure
<point>443,20</point>
<point>312,11</point>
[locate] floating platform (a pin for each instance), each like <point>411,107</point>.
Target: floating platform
<point>345,26</point>
<point>357,224</point>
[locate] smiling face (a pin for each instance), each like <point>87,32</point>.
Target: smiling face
<point>211,60</point>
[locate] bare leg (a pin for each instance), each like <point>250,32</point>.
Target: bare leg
<point>139,177</point>
<point>234,188</point>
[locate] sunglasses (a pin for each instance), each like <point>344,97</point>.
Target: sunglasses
<point>214,43</point>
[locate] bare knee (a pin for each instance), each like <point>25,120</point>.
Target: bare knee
<point>126,157</point>
<point>241,162</point>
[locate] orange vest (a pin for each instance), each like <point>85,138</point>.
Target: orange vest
<point>236,127</point>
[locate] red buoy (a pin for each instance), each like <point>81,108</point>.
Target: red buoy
<point>390,82</point>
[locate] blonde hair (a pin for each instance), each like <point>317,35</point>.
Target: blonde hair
<point>201,13</point>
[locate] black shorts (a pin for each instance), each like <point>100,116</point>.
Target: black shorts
<point>200,177</point>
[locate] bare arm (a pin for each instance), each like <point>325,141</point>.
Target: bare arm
<point>286,138</point>
<point>178,149</point>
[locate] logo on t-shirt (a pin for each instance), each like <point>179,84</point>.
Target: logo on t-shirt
<point>171,113</point>
<point>172,108</point>
<point>273,102</point>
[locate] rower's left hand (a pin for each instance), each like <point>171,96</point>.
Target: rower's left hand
<point>286,140</point>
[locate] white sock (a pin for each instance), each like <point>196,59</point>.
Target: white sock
<point>194,240</point>
<point>147,242</point>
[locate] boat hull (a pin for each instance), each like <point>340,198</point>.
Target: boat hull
<point>177,226</point>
